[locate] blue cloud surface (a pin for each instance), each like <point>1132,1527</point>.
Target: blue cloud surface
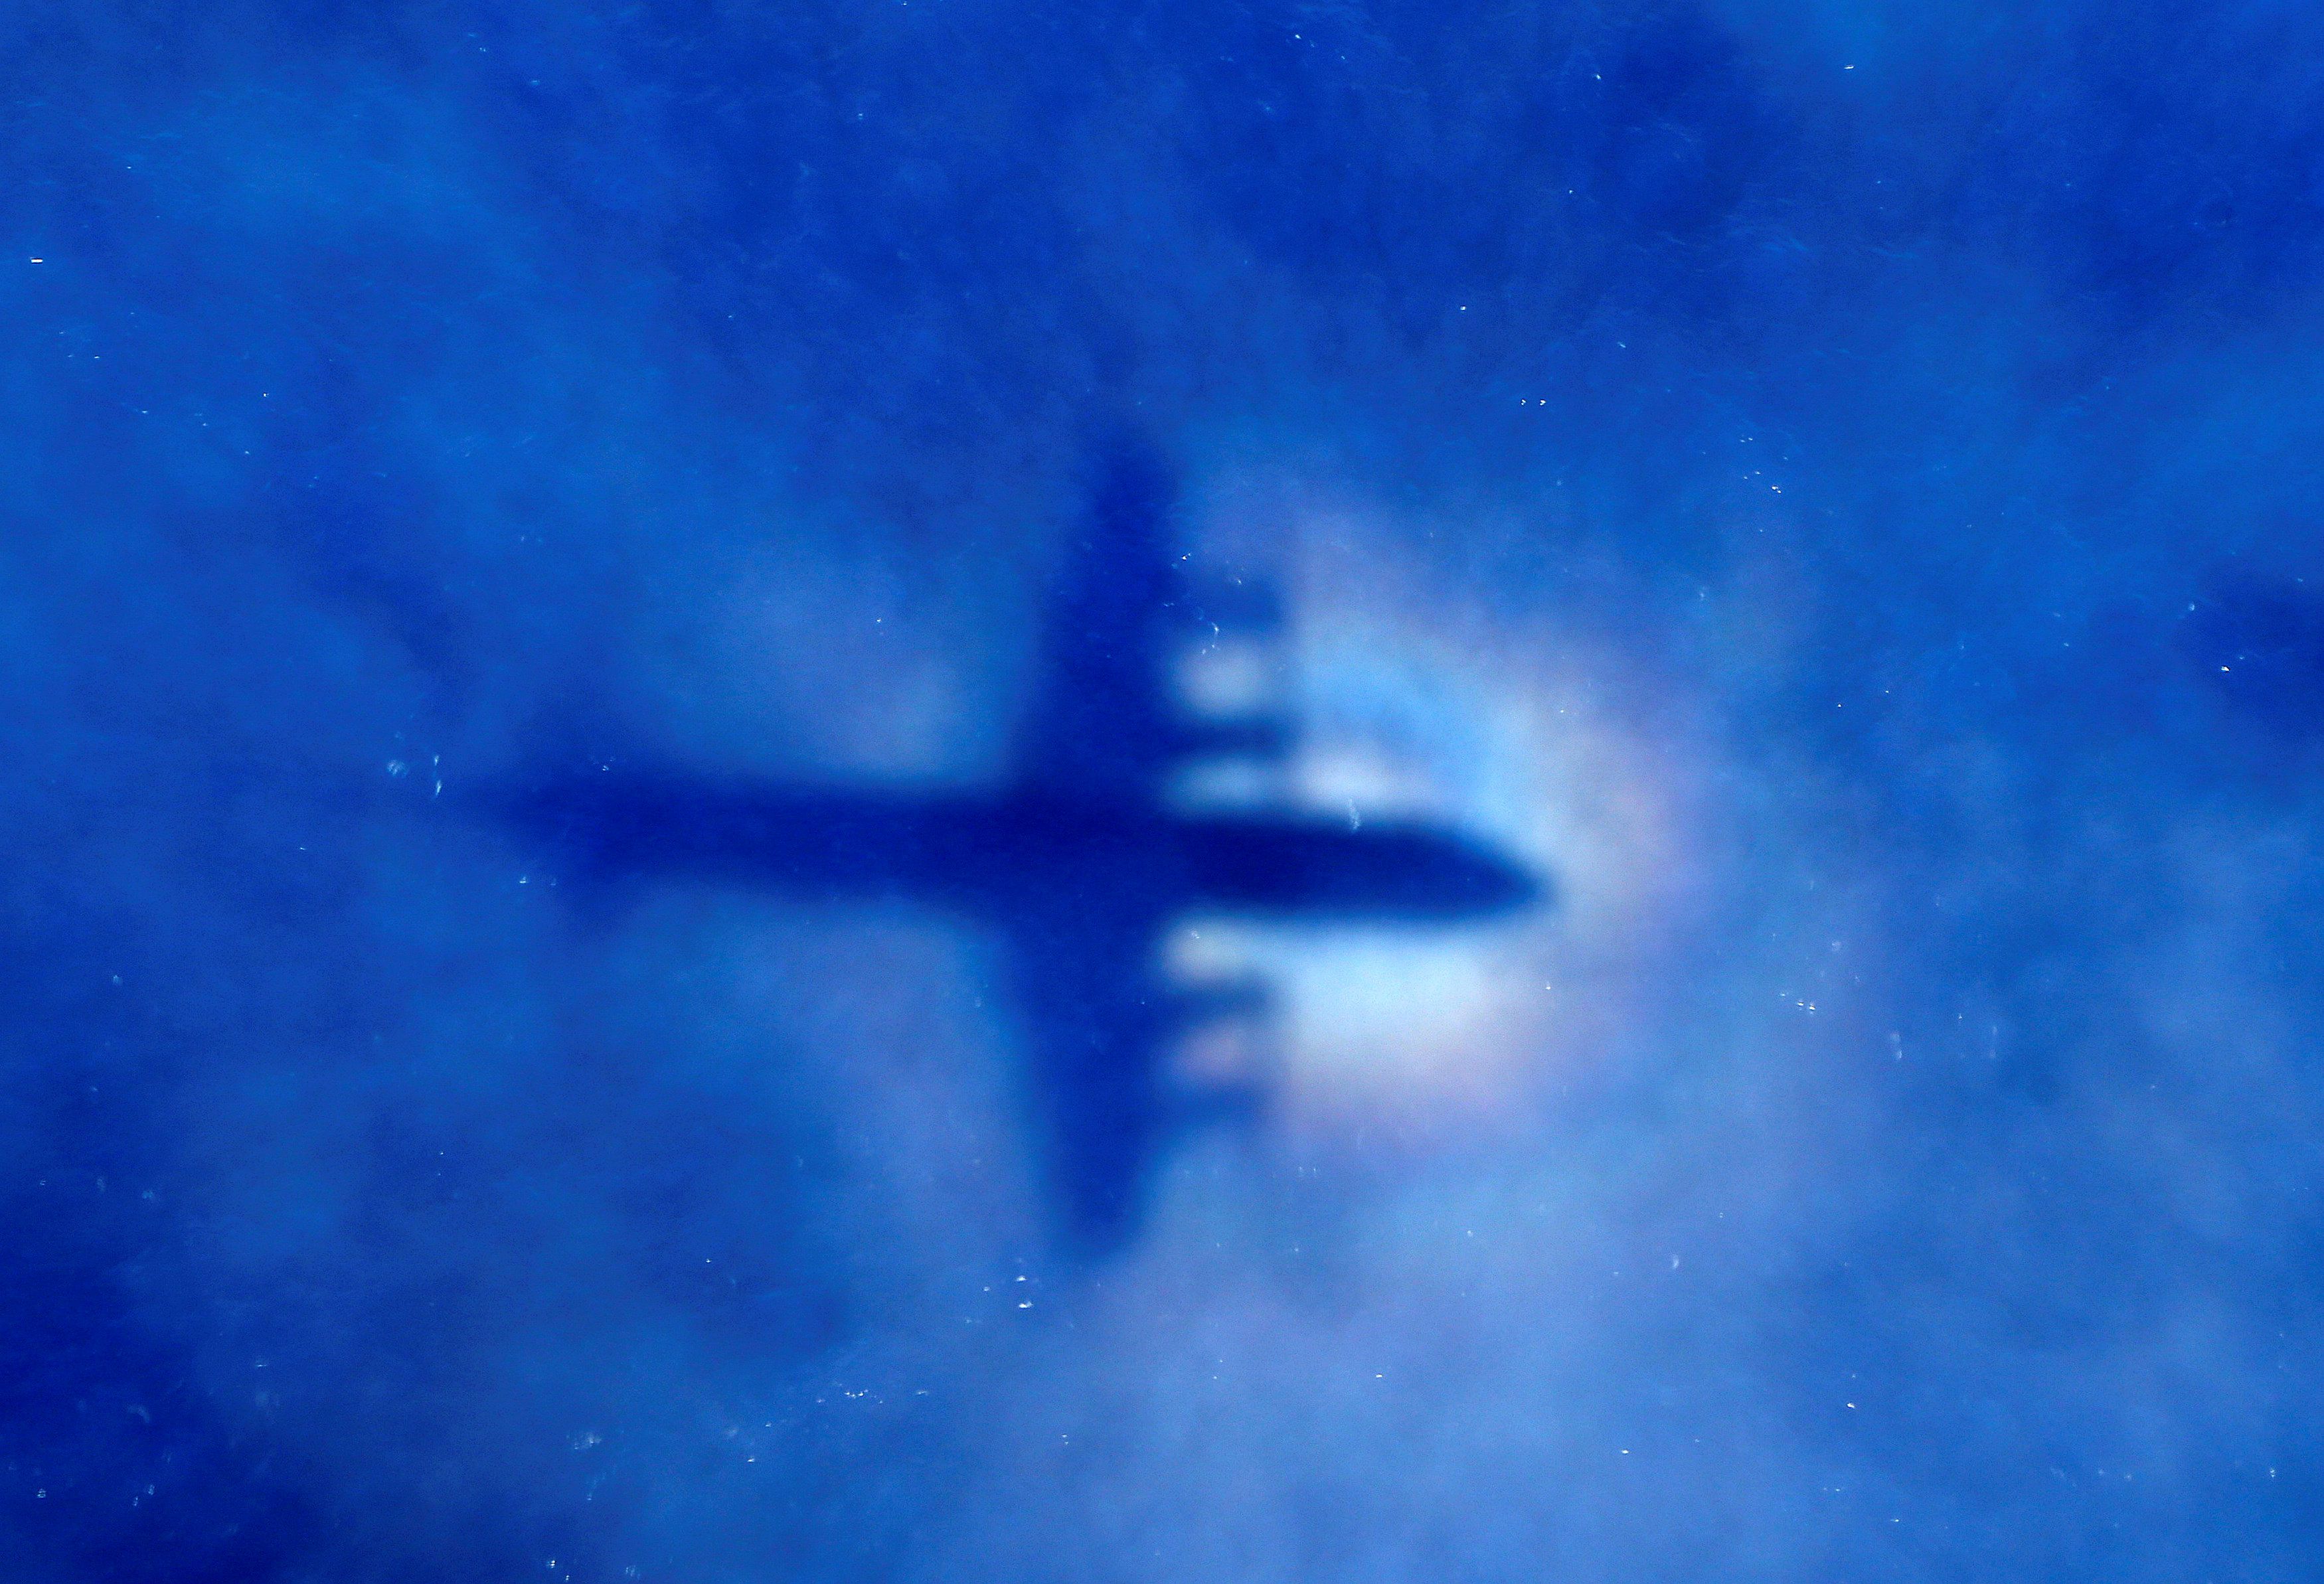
<point>1836,489</point>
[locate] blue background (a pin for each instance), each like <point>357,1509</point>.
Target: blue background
<point>1834,485</point>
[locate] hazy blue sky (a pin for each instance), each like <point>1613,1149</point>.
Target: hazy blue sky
<point>1834,486</point>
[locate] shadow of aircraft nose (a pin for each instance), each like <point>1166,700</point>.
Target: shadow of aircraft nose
<point>1491,886</point>
<point>1322,871</point>
<point>1447,878</point>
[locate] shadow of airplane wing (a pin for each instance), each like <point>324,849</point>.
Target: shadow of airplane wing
<point>1102,723</point>
<point>1094,1023</point>
<point>1108,730</point>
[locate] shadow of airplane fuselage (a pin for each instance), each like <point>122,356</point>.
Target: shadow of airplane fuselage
<point>1000,856</point>
<point>1080,864</point>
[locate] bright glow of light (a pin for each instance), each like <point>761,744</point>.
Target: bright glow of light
<point>1514,734</point>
